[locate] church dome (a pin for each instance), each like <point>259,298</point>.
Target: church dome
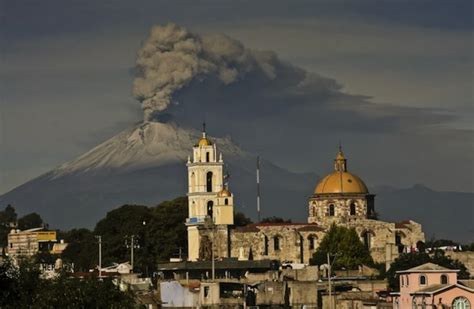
<point>224,193</point>
<point>204,141</point>
<point>341,181</point>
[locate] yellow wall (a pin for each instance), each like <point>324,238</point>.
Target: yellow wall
<point>46,236</point>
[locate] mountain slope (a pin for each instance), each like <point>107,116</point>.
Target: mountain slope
<point>145,165</point>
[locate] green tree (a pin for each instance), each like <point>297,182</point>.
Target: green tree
<point>343,243</point>
<point>409,260</point>
<point>82,249</point>
<point>166,234</point>
<point>274,219</point>
<point>240,219</point>
<point>30,221</point>
<point>23,287</point>
<point>7,219</point>
<point>116,230</point>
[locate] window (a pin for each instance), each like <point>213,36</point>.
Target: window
<point>210,205</point>
<point>408,282</point>
<point>209,182</point>
<point>311,242</point>
<point>353,209</point>
<point>367,238</point>
<point>206,291</point>
<point>226,201</point>
<point>423,280</point>
<point>461,303</point>
<point>276,243</point>
<point>331,210</point>
<point>265,246</point>
<point>207,156</point>
<point>402,279</point>
<point>444,279</point>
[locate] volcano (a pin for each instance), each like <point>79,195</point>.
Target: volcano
<point>145,165</point>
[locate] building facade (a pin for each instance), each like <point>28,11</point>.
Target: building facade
<point>432,286</point>
<point>29,242</point>
<point>340,198</point>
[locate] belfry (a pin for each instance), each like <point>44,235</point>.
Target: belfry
<point>340,198</point>
<point>211,207</point>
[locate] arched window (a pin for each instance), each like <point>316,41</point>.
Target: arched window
<point>210,206</point>
<point>276,243</point>
<point>209,182</point>
<point>353,209</point>
<point>207,157</point>
<point>367,238</point>
<point>461,303</point>
<point>331,210</point>
<point>311,241</point>
<point>265,245</point>
<point>226,201</point>
<point>413,303</point>
<point>423,280</point>
<point>444,279</point>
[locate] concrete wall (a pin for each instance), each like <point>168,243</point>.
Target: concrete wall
<point>173,294</point>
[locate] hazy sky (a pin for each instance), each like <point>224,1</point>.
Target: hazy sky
<point>401,71</point>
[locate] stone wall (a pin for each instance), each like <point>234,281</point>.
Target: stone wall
<point>294,243</point>
<point>466,257</point>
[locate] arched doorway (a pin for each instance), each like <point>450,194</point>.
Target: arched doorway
<point>210,206</point>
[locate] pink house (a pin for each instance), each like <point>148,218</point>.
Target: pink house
<point>432,286</point>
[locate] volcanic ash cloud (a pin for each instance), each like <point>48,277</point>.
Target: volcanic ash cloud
<point>171,57</point>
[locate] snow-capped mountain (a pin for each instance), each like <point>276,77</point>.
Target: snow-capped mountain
<point>150,144</point>
<point>146,165</point>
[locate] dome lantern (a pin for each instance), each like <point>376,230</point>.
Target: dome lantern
<point>341,181</point>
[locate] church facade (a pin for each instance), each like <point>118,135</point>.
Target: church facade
<point>340,198</point>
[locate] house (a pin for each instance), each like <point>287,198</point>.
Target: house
<point>432,286</point>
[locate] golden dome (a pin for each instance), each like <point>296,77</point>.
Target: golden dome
<point>341,181</point>
<point>224,193</point>
<point>204,141</point>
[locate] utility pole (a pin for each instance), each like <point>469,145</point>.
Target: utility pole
<point>99,238</point>
<point>329,282</point>
<point>331,302</point>
<point>131,253</point>
<point>133,245</point>
<point>212,255</point>
<point>258,188</point>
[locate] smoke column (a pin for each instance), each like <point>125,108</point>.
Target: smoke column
<point>171,57</point>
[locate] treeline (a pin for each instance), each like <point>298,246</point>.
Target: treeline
<point>24,287</point>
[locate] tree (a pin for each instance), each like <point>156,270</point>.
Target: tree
<point>409,260</point>
<point>82,249</point>
<point>240,219</point>
<point>343,243</point>
<point>7,219</point>
<point>23,287</point>
<point>274,219</point>
<point>30,221</point>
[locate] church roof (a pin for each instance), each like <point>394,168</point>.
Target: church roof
<point>341,181</point>
<point>428,267</point>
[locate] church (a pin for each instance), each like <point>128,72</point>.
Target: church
<point>341,198</point>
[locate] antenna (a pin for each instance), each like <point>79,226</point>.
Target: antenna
<point>258,188</point>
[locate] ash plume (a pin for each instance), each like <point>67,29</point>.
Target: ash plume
<point>172,57</point>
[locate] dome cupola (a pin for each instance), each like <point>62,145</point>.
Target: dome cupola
<point>341,181</point>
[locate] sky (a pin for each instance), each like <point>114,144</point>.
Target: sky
<point>391,80</point>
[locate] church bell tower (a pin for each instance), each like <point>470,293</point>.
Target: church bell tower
<point>210,209</point>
